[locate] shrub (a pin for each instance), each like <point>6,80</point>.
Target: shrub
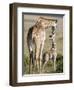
<point>59,63</point>
<point>49,66</point>
<point>26,64</point>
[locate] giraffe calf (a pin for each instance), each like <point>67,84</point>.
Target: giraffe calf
<point>53,55</point>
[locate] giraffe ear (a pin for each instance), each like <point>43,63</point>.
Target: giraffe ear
<point>38,23</point>
<point>39,19</point>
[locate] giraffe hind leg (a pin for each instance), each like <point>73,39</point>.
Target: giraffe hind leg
<point>31,63</point>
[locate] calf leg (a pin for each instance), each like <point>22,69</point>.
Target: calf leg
<point>44,66</point>
<point>54,60</point>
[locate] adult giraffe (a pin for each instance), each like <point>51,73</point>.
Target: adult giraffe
<point>35,38</point>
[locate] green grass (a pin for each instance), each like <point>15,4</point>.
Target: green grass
<point>26,64</point>
<point>49,66</point>
<point>59,63</point>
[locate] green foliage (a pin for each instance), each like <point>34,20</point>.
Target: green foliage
<point>49,66</point>
<point>26,64</point>
<point>59,63</point>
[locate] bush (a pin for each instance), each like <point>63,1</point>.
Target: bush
<point>26,64</point>
<point>59,63</point>
<point>49,66</point>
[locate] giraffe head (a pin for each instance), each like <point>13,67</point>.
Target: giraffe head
<point>46,23</point>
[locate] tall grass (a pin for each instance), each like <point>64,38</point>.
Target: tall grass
<point>49,66</point>
<point>26,64</point>
<point>59,63</point>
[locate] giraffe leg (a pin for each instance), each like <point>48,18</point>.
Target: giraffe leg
<point>37,57</point>
<point>41,49</point>
<point>45,63</point>
<point>31,62</point>
<point>54,63</point>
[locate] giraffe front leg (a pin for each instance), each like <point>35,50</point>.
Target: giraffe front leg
<point>37,58</point>
<point>41,50</point>
<point>31,62</point>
